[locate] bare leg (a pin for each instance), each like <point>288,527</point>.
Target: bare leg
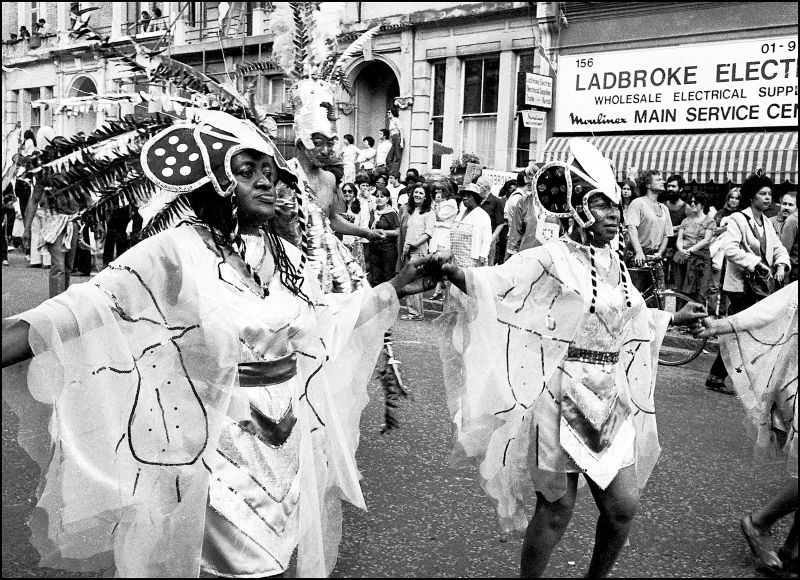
<point>618,504</point>
<point>784,503</point>
<point>545,529</point>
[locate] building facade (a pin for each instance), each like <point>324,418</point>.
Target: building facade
<point>452,68</point>
<point>707,90</point>
<point>500,80</point>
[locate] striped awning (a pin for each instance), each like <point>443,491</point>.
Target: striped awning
<point>718,157</point>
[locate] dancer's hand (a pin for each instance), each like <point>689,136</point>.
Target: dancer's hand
<point>709,329</point>
<point>691,313</point>
<point>414,278</point>
<point>443,265</point>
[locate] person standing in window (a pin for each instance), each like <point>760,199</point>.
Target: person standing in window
<point>396,136</point>
<point>144,21</point>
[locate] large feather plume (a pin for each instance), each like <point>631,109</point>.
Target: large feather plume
<point>282,24</point>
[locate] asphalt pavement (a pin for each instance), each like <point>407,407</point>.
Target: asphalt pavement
<point>426,519</point>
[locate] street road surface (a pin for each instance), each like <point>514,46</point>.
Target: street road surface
<point>426,519</point>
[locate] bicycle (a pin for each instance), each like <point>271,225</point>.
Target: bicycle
<point>679,346</point>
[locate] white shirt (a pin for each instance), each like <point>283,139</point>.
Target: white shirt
<point>382,151</point>
<point>350,154</point>
<point>394,192</point>
<point>367,158</point>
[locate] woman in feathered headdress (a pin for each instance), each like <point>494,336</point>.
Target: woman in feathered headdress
<point>180,405</point>
<point>550,362</point>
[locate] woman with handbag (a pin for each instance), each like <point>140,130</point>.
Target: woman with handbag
<point>756,260</point>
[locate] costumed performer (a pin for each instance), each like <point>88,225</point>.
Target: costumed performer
<point>549,363</point>
<point>759,344</point>
<point>196,406</point>
<point>304,34</point>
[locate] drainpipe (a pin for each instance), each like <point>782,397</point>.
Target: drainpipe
<point>407,57</point>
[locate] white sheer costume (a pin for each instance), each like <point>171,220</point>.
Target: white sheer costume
<point>541,381</point>
<point>761,357</point>
<point>166,387</point>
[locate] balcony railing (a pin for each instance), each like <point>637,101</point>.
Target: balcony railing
<point>154,25</point>
<point>36,44</point>
<point>40,45</point>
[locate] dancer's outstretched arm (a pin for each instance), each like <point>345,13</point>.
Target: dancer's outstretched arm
<point>15,341</point>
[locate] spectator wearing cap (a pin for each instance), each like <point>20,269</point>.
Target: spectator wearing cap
<point>471,234</point>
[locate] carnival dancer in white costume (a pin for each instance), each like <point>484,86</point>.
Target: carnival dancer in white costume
<point>549,363</point>
<point>196,406</point>
<point>759,347</point>
<point>305,33</point>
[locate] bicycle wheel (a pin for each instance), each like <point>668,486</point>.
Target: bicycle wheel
<point>679,346</point>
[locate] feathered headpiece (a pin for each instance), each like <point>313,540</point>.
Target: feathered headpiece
<point>106,169</point>
<point>305,48</point>
<point>585,173</point>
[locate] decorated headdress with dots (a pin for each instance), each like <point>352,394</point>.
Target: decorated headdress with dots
<point>186,156</point>
<point>586,172</point>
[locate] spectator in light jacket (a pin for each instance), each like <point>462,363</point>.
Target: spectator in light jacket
<point>750,245</point>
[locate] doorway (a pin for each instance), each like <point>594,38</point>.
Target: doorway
<point>375,87</point>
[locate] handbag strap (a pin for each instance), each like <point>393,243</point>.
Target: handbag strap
<point>762,240</point>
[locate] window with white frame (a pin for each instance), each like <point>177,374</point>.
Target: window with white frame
<point>437,114</point>
<point>270,90</point>
<point>31,96</point>
<point>479,110</point>
<point>284,140</point>
<point>525,141</point>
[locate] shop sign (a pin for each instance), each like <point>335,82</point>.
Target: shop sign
<point>723,85</point>
<point>538,90</point>
<point>533,119</point>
